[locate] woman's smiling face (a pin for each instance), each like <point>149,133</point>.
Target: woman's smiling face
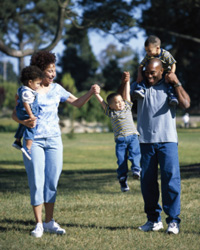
<point>50,73</point>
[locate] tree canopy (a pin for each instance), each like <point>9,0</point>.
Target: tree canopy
<point>176,22</point>
<point>40,24</point>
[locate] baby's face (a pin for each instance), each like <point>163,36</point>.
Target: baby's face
<point>34,84</point>
<point>152,50</point>
<point>117,103</point>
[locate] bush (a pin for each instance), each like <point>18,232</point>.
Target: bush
<point>7,94</point>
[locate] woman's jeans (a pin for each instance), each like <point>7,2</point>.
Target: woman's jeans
<point>44,169</point>
<point>166,155</point>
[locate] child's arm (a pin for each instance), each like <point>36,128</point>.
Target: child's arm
<point>28,110</point>
<point>173,68</point>
<point>101,101</point>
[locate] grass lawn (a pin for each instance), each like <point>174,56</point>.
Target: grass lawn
<point>90,205</point>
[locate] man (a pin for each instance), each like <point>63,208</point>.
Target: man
<point>159,145</point>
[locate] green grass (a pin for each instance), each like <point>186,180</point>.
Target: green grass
<point>90,205</point>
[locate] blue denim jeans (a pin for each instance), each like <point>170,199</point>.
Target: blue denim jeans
<point>44,169</point>
<point>166,155</point>
<point>127,148</point>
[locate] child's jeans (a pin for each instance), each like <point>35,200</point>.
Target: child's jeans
<point>127,148</point>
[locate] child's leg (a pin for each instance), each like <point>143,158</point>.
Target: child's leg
<point>173,101</point>
<point>134,156</point>
<point>121,153</point>
<point>139,92</point>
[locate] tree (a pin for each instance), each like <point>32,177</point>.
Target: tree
<point>78,58</point>
<point>39,24</point>
<point>179,20</point>
<point>7,72</point>
<point>126,59</point>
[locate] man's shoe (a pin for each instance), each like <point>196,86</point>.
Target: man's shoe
<point>123,183</point>
<point>17,145</point>
<point>136,175</point>
<point>173,228</point>
<point>151,226</point>
<point>138,93</point>
<point>53,227</point>
<point>26,152</point>
<point>38,231</point>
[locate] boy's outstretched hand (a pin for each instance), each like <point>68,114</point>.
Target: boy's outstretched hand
<point>125,77</point>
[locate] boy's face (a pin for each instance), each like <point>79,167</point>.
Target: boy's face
<point>152,50</point>
<point>117,103</point>
<point>34,84</point>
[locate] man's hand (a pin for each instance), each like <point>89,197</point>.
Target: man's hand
<point>171,78</point>
<point>125,77</point>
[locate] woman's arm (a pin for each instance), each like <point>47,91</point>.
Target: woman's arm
<point>79,102</point>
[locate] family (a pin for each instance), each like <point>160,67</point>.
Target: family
<point>153,142</point>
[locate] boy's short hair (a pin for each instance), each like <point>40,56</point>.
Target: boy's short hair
<point>152,40</point>
<point>111,97</point>
<point>30,73</point>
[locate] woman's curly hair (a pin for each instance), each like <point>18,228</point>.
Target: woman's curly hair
<point>42,59</point>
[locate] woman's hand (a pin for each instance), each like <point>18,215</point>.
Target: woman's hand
<point>95,89</point>
<point>30,123</point>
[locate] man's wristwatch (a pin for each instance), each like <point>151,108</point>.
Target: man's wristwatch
<point>177,85</point>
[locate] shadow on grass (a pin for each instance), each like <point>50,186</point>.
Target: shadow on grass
<point>13,180</point>
<point>17,225</point>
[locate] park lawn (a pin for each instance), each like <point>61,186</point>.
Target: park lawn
<point>90,205</point>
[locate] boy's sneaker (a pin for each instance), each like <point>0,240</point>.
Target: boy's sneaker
<point>38,231</point>
<point>151,226</point>
<point>136,175</point>
<point>53,227</point>
<point>173,101</point>
<point>138,93</point>
<point>26,152</point>
<point>173,228</point>
<point>17,145</point>
<point>123,183</point>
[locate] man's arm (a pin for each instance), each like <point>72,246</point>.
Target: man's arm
<point>183,97</point>
<point>124,89</point>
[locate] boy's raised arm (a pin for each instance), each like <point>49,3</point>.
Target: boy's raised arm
<point>101,101</point>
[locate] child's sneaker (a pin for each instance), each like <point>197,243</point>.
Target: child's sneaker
<point>53,227</point>
<point>136,175</point>
<point>139,93</point>
<point>38,231</point>
<point>123,183</point>
<point>173,228</point>
<point>173,101</point>
<point>17,144</point>
<point>26,152</point>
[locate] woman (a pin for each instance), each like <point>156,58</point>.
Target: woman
<point>47,150</point>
